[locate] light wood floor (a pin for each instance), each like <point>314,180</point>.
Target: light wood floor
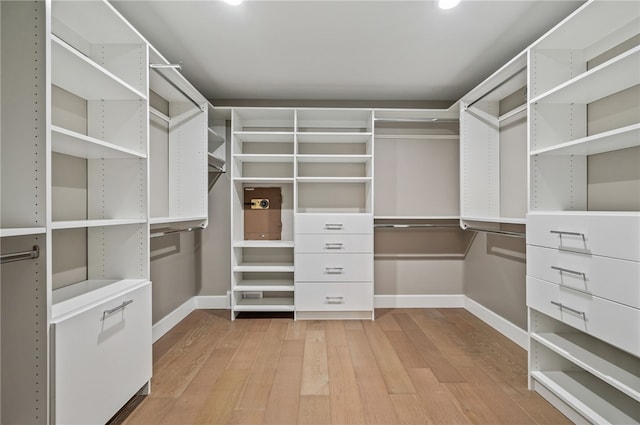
<point>418,366</point>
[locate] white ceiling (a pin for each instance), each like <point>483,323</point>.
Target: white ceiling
<point>377,51</point>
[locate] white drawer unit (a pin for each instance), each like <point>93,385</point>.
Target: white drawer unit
<point>617,324</point>
<point>334,267</point>
<point>334,243</point>
<point>334,296</point>
<point>334,224</point>
<point>101,357</point>
<point>610,278</point>
<point>611,234</point>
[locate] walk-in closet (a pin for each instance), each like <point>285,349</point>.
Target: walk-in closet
<point>319,212</point>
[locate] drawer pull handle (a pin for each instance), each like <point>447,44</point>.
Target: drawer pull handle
<point>333,226</point>
<point>334,270</point>
<point>562,232</point>
<point>333,245</point>
<point>563,270</point>
<point>107,313</point>
<point>335,300</point>
<point>573,310</point>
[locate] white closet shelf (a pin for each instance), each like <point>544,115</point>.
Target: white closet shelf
<point>173,219</point>
<point>333,137</point>
<point>343,159</point>
<point>21,231</point>
<point>164,117</point>
<point>215,161</point>
<point>412,115</point>
<point>263,158</point>
<point>619,73</point>
<point>264,136</point>
<point>84,295</point>
<point>96,82</point>
<point>417,136</point>
<point>75,144</point>
<point>505,220</point>
<point>265,304</point>
<point>263,180</point>
<point>214,137</point>
<point>264,286</point>
<point>263,244</point>
<point>619,138</point>
<point>513,113</point>
<point>264,267</point>
<point>76,224</point>
<point>592,398</point>
<point>335,179</point>
<point>603,361</point>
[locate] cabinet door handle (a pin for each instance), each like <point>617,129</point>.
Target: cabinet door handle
<point>108,313</point>
<point>333,226</point>
<point>563,270</point>
<point>333,245</point>
<point>573,310</point>
<point>334,270</point>
<point>562,232</point>
<point>334,300</point>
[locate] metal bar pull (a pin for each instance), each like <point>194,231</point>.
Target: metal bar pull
<point>333,245</point>
<point>107,313</point>
<point>563,270</point>
<point>573,310</point>
<point>19,256</point>
<point>334,300</point>
<point>333,226</point>
<point>562,232</point>
<point>334,270</point>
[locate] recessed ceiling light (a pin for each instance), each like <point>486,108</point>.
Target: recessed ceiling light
<point>448,4</point>
<point>236,2</point>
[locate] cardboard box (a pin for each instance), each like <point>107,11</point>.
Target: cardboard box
<point>262,213</point>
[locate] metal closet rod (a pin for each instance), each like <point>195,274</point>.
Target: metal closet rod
<point>19,256</point>
<point>407,226</point>
<point>157,67</point>
<point>427,120</point>
<point>498,86</point>
<point>171,232</point>
<point>497,232</point>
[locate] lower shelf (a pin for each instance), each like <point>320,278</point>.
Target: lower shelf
<point>590,397</point>
<point>265,304</point>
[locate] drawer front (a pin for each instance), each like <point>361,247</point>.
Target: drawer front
<point>334,296</point>
<point>101,360</point>
<point>607,235</point>
<point>334,243</point>
<point>617,324</point>
<point>334,267</point>
<point>334,223</point>
<point>610,278</point>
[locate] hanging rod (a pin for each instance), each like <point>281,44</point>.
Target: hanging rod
<point>19,256</point>
<point>159,114</point>
<point>407,226</point>
<point>171,232</point>
<point>515,74</point>
<point>497,232</point>
<point>427,120</point>
<point>165,66</point>
<point>156,68</point>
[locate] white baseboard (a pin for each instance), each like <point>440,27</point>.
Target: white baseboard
<point>499,323</point>
<point>211,302</point>
<point>165,324</point>
<point>419,301</point>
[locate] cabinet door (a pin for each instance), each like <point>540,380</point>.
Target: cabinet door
<point>101,358</point>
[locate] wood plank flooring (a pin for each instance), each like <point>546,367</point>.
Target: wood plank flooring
<point>409,366</point>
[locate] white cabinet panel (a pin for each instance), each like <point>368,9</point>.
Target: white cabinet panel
<point>333,268</point>
<point>101,357</point>
<point>334,223</point>
<point>608,234</point>
<point>610,278</point>
<point>334,296</point>
<point>334,243</point>
<point>617,324</point>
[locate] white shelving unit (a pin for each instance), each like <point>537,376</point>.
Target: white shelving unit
<point>179,137</point>
<point>262,155</point>
<point>493,148</point>
<point>583,261</point>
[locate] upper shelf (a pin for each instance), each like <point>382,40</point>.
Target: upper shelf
<point>78,74</point>
<point>615,75</point>
<point>619,138</point>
